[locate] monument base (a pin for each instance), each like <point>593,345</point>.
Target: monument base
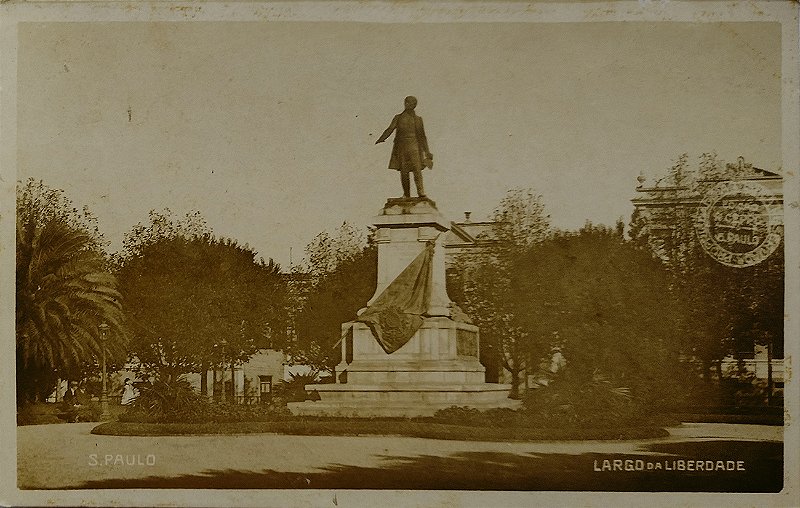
<point>398,401</point>
<point>438,368</point>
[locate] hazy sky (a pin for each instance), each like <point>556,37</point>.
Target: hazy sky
<point>268,128</point>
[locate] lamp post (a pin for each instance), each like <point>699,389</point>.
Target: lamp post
<point>104,414</point>
<point>224,342</point>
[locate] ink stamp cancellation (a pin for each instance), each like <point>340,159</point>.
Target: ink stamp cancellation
<point>738,224</point>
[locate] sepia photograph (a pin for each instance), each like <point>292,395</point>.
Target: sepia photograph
<point>248,273</point>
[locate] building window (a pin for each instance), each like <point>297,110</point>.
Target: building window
<point>265,389</point>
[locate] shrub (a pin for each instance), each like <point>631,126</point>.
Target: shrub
<point>204,411</point>
<point>294,390</point>
<point>37,414</point>
<point>81,413</point>
<point>575,402</point>
<point>164,396</point>
<point>740,392</point>
<point>458,414</point>
<point>566,403</point>
<point>495,417</point>
<point>177,402</point>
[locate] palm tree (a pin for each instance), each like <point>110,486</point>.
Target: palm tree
<point>63,293</point>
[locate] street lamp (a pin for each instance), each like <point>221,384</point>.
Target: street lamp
<point>104,414</point>
<point>224,342</point>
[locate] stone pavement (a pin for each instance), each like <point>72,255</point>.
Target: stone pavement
<point>68,456</point>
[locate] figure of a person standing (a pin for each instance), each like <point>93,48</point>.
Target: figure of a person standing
<point>128,392</point>
<point>410,153</point>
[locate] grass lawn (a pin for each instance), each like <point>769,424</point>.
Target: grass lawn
<point>395,427</point>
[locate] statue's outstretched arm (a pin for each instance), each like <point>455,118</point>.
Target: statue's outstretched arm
<point>388,131</point>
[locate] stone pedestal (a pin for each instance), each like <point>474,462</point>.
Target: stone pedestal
<point>438,367</point>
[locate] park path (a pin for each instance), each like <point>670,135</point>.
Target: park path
<point>68,455</point>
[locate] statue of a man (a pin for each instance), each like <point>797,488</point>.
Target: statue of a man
<point>410,153</point>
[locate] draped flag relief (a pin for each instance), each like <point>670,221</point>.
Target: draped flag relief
<point>397,313</point>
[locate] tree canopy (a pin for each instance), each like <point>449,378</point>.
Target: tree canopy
<point>334,300</point>
<point>63,292</point>
<point>607,305</point>
<point>483,284</point>
<point>342,273</point>
<point>194,301</point>
<point>327,251</point>
<point>728,309</point>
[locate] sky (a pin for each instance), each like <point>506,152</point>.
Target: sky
<point>268,128</point>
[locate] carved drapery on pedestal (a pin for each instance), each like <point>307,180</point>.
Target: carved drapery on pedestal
<point>396,314</point>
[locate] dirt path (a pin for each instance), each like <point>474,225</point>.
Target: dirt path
<point>68,456</point>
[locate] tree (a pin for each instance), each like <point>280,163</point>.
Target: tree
<point>757,310</point>
<point>607,305</point>
<point>727,309</point>
<point>668,232</point>
<point>64,292</point>
<point>194,301</point>
<point>335,299</point>
<point>484,285</point>
<point>328,251</point>
<point>342,270</point>
<point>520,222</point>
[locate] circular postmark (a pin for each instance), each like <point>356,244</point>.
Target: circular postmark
<point>739,223</point>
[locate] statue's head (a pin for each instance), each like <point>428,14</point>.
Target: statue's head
<point>411,102</point>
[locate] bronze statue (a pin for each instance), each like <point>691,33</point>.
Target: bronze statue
<point>410,153</point>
